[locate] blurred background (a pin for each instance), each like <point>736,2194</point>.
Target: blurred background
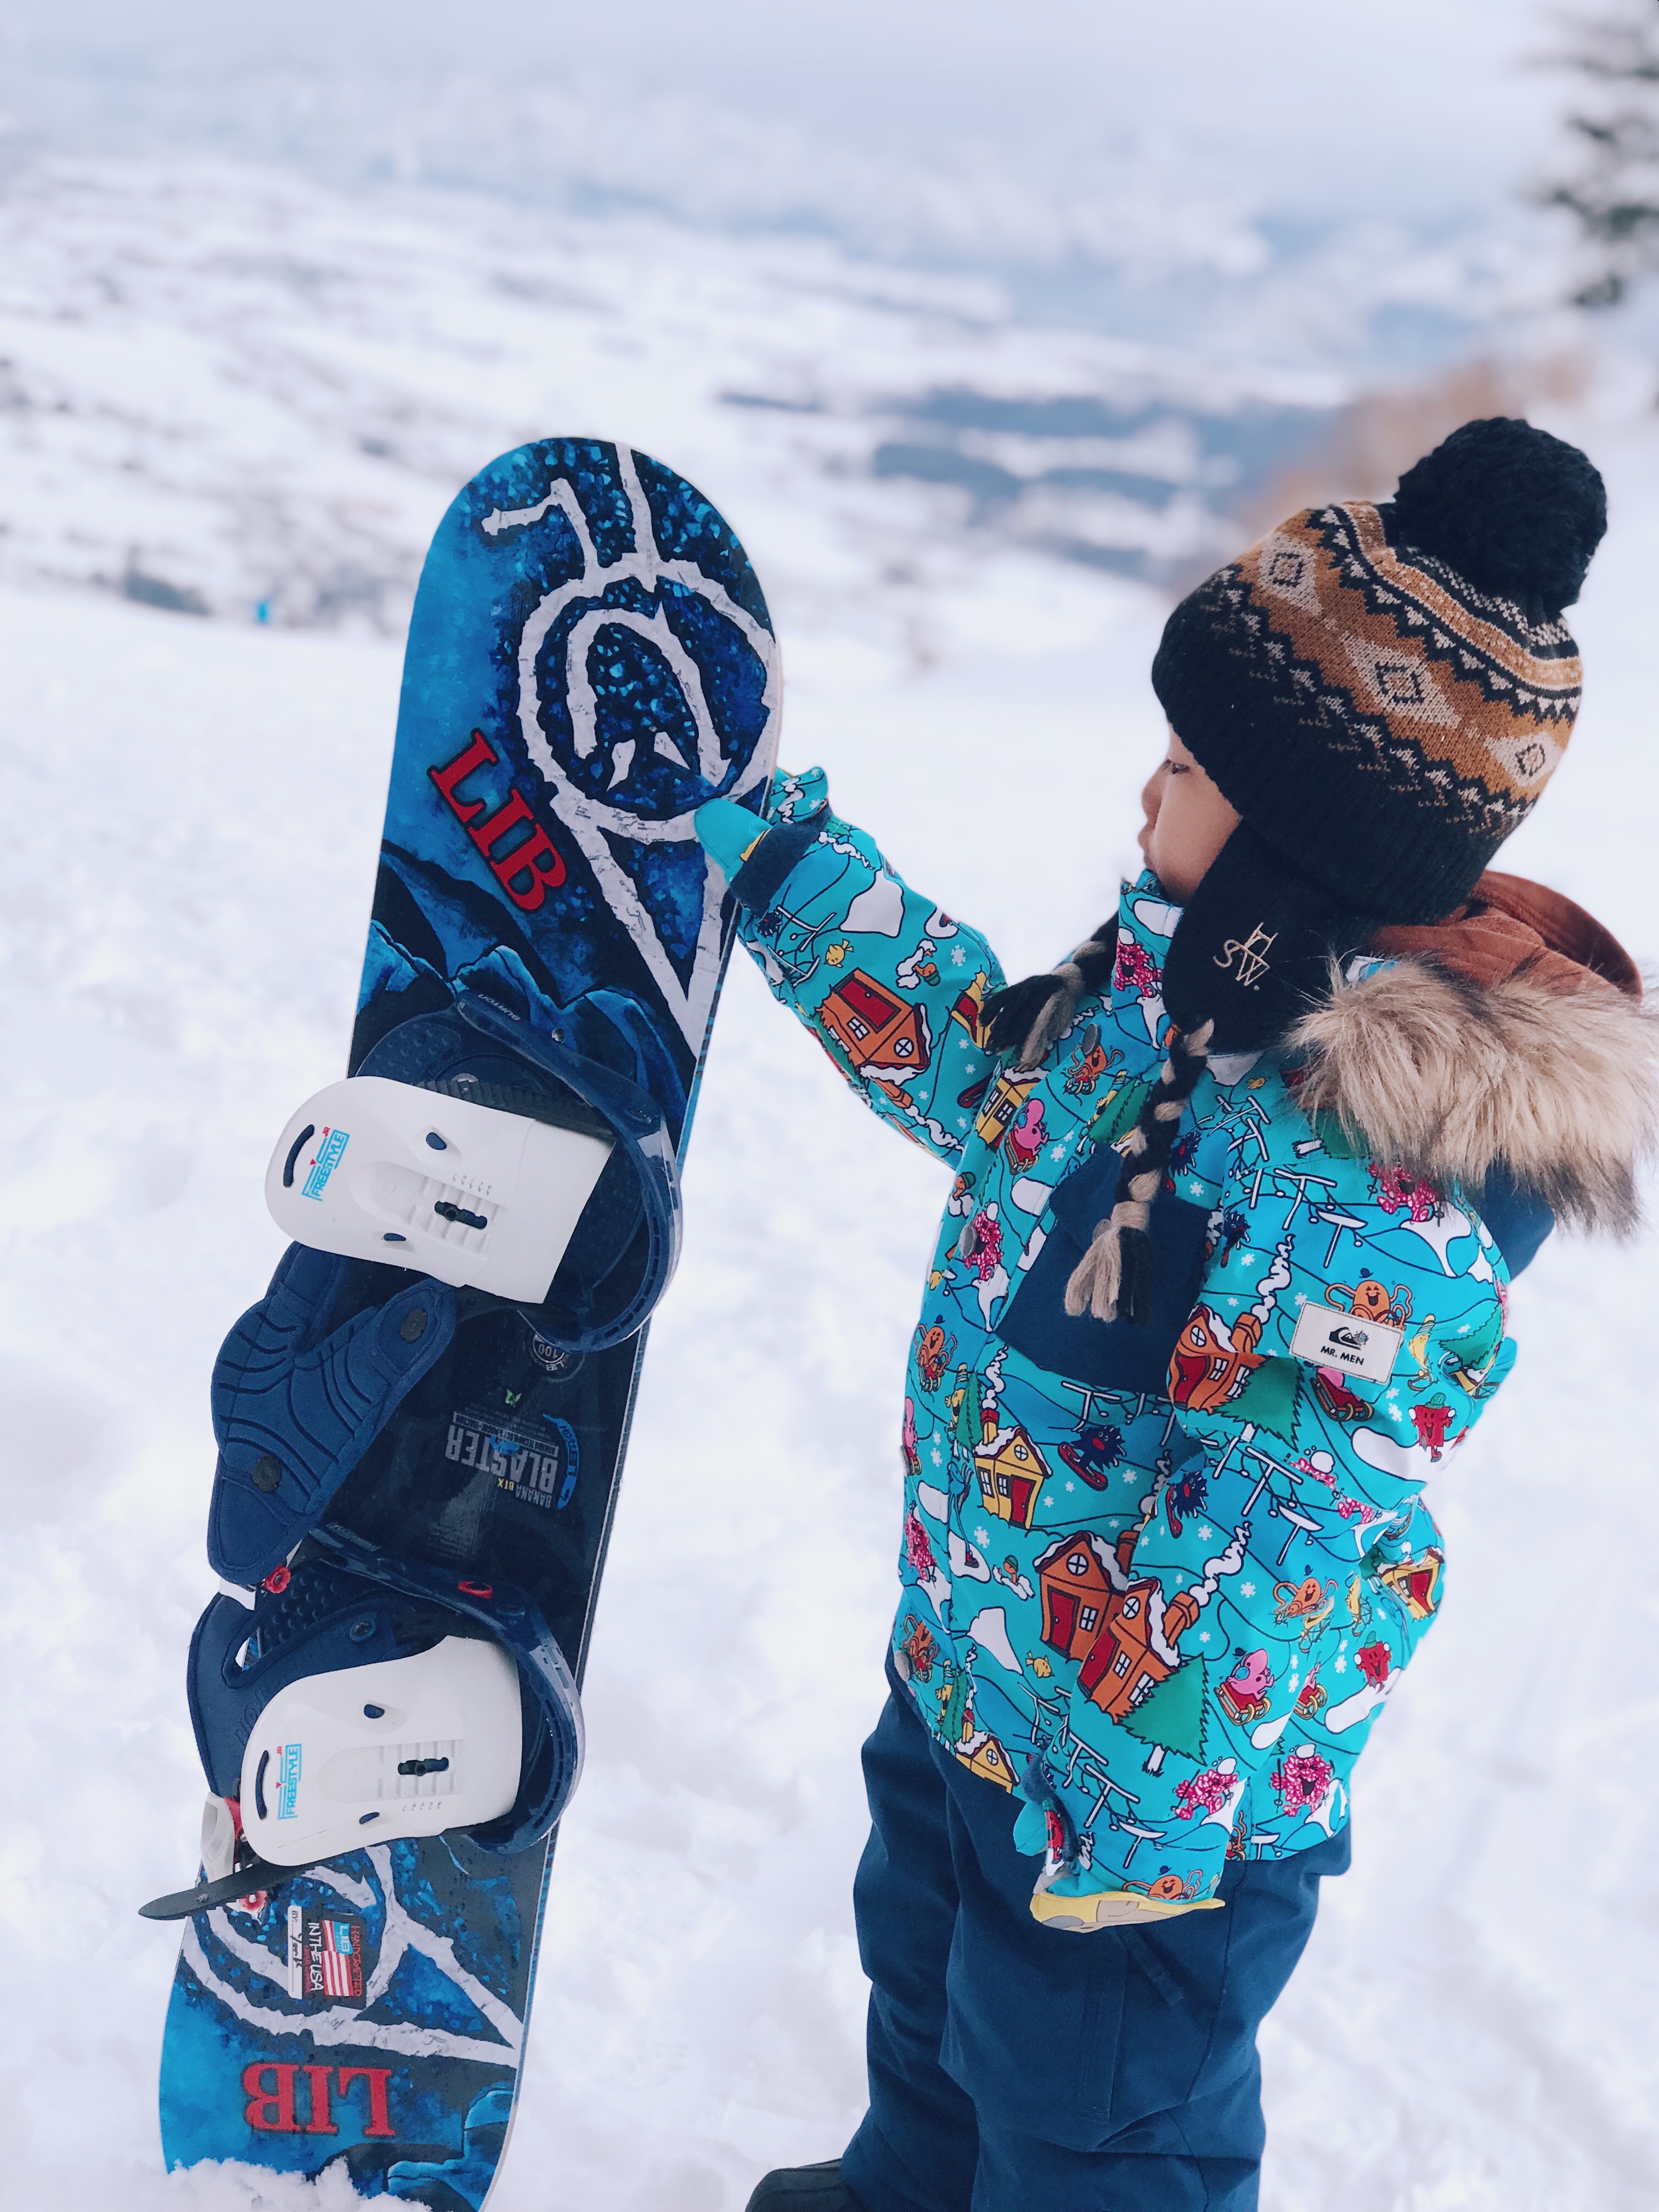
<point>990,330</point>
<point>1105,284</point>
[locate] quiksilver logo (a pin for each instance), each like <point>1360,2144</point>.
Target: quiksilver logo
<point>1330,1340</point>
<point>1251,954</point>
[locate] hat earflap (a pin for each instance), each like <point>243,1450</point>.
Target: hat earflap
<point>1249,956</point>
<point>1251,951</point>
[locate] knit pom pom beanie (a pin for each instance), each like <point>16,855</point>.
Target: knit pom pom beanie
<point>1381,693</point>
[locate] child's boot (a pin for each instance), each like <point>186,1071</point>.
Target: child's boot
<point>805,2189</point>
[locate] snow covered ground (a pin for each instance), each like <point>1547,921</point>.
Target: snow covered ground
<point>230,390</point>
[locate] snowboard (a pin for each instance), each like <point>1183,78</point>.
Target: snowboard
<point>590,659</point>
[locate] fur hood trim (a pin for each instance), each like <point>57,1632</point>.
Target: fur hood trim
<point>1450,1077</point>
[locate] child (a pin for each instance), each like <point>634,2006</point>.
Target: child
<point>1239,1192</point>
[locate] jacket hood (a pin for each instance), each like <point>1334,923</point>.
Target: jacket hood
<point>1509,924</point>
<point>1511,1034</point>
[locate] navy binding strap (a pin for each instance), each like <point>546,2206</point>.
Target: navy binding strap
<point>343,1604</point>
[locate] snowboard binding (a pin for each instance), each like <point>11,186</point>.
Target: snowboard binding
<point>493,1156</point>
<point>355,1695</point>
<point>361,1698</point>
<point>298,1397</point>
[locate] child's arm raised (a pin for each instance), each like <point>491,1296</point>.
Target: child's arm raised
<point>890,984</point>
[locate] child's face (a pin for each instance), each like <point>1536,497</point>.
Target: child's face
<point>1188,821</point>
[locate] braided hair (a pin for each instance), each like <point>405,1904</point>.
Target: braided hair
<point>1113,1280</point>
<point>1027,1019</point>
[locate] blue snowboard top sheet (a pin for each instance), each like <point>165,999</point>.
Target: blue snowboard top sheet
<point>590,659</point>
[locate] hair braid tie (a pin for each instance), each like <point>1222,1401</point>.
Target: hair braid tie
<point>1113,1280</point>
<point>1055,1015</point>
<point>1028,1018</point>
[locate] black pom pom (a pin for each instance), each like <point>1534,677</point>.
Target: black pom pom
<point>1516,512</point>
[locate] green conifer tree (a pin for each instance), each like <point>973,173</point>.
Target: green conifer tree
<point>1613,189</point>
<point>1171,1717</point>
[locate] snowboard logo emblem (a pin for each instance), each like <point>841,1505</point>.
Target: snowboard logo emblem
<point>616,795</point>
<point>276,2100</point>
<point>532,864</point>
<point>553,1359</point>
<point>329,1154</point>
<point>287,1781</point>
<point>537,1470</point>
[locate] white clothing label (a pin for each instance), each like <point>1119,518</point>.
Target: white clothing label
<point>1328,1337</point>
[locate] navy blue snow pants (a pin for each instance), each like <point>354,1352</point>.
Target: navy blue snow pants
<point>1014,2068</point>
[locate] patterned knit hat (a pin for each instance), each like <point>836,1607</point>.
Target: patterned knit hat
<point>1381,693</point>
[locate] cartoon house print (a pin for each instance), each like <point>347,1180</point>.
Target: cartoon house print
<point>1120,1625</point>
<point>879,1032</point>
<point>1011,1471</point>
<point>1076,1591</point>
<point>981,1754</point>
<point>968,1007</point>
<point>1416,1582</point>
<point>1212,1363</point>
<point>1003,1101</point>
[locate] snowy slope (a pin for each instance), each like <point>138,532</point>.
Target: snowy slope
<point>225,389</point>
<point>269,389</point>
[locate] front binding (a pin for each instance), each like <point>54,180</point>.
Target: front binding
<point>589,1219</point>
<point>473,1148</point>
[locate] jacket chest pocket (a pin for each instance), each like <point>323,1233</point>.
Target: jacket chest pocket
<point>1107,1355</point>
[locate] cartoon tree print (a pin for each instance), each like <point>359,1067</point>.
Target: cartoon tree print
<point>1171,1717</point>
<point>1133,969</point>
<point>981,1243</point>
<point>1466,1359</point>
<point>1399,1190</point>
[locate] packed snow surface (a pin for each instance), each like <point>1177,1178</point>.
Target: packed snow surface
<point>229,392</point>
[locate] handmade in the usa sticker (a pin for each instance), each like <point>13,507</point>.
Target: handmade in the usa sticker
<point>326,1956</point>
<point>1328,1337</point>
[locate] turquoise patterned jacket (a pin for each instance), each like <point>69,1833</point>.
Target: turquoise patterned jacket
<point>1157,1583</point>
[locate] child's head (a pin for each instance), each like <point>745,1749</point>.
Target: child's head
<point>1378,696</point>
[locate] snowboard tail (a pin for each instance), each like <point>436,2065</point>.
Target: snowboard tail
<point>590,659</point>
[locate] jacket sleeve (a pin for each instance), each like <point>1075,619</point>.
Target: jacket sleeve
<point>890,985</point>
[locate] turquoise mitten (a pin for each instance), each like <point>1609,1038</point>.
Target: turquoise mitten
<point>729,832</point>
